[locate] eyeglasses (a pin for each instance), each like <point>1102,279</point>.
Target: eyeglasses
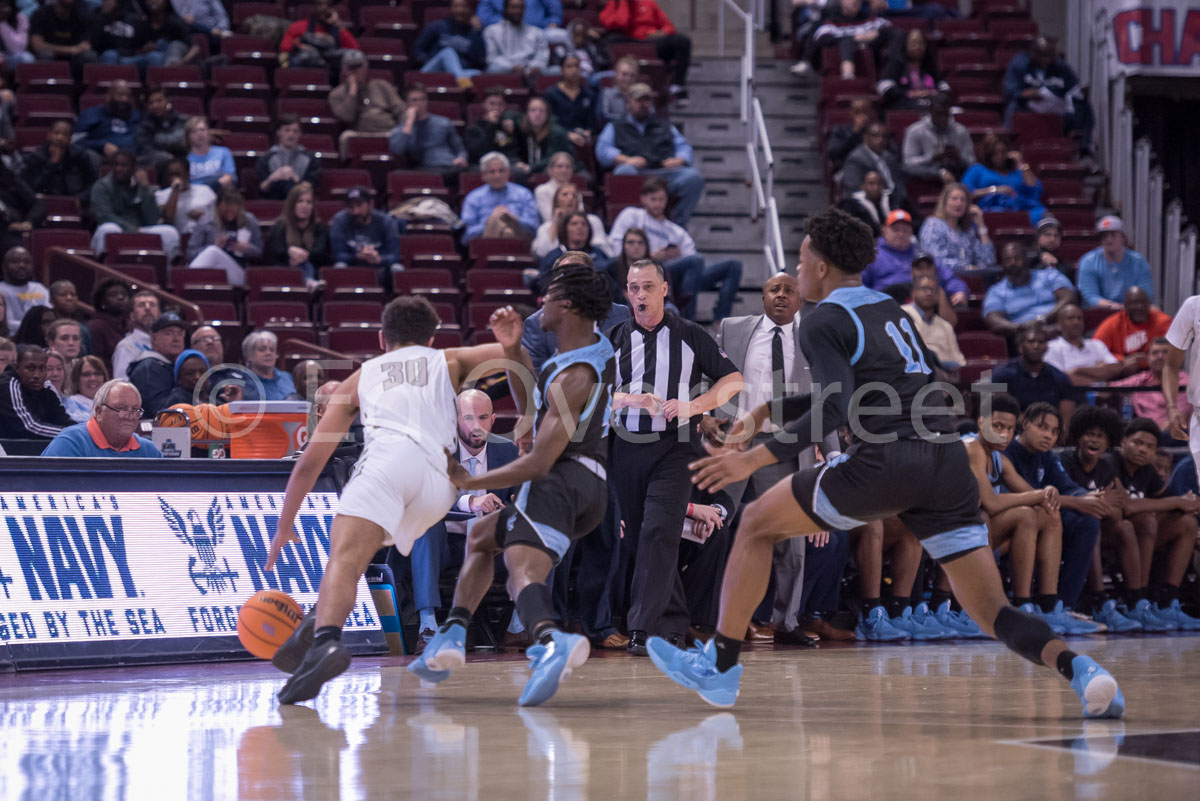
<point>133,411</point>
<point>206,340</point>
<point>91,374</point>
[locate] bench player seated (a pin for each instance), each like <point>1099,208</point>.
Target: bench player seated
<point>908,462</point>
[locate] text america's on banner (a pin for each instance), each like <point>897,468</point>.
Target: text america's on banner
<point>79,567</point>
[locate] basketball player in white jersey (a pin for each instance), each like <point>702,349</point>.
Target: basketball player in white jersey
<point>399,487</point>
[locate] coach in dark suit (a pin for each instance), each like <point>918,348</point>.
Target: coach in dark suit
<point>478,450</point>
<point>766,350</point>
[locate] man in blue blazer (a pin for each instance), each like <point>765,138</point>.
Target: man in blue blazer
<point>478,450</point>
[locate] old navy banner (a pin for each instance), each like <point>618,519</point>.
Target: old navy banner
<point>1154,37</point>
<point>86,578</point>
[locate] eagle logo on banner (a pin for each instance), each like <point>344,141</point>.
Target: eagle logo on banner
<point>209,573</point>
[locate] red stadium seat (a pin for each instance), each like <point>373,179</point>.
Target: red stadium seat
<point>244,11</point>
<point>42,239</point>
<point>403,184</point>
<point>277,283</point>
<point>504,286</point>
<point>335,183</point>
<point>241,80</point>
<point>351,283</point>
<point>45,77</point>
<point>245,49</point>
<point>44,109</point>
<point>358,313</point>
<point>99,77</point>
<point>185,79</point>
<point>314,114</point>
<point>302,82</point>
<point>61,211</point>
<point>265,211</point>
<point>363,342</point>
<point>1031,126</point>
<point>261,313</point>
<point>982,345</point>
<point>240,113</point>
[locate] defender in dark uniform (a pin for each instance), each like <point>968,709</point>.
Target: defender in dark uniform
<point>563,492</point>
<point>870,370</point>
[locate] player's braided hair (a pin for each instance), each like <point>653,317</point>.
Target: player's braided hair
<point>842,239</point>
<point>582,285</point>
<point>1088,417</point>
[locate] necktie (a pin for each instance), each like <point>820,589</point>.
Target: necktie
<point>473,466</point>
<point>777,374</point>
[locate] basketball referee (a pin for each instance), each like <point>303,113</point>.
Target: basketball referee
<point>661,360</point>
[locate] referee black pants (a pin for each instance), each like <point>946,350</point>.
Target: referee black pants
<point>653,487</point>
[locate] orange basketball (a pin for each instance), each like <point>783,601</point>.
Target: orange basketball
<point>266,621</point>
<point>180,415</point>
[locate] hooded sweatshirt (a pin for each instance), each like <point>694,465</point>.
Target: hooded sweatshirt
<point>29,414</point>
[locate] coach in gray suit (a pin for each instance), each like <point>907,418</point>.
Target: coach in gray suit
<point>766,349</point>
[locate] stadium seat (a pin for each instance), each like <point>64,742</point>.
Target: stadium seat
<point>403,185</point>
<point>44,109</point>
<point>61,211</point>
<point>1031,126</point>
<point>73,241</point>
<point>191,105</point>
<point>265,211</point>
<point>322,146</point>
<point>246,49</point>
<point>276,283</point>
<point>504,286</point>
<point>139,274</point>
<point>351,283</point>
<point>201,284</point>
<point>302,82</point>
<point>315,116</point>
<point>185,79</point>
<point>363,342</point>
<point>244,11</point>
<point>241,80</point>
<point>360,313</point>
<point>386,53</point>
<point>335,183</point>
<point>44,77</point>
<point>240,113</point>
<point>261,313</point>
<point>99,77</point>
<point>982,345</point>
<point>214,310</point>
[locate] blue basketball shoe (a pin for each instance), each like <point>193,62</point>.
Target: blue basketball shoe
<point>696,669</point>
<point>876,625</point>
<point>959,622</point>
<point>551,663</point>
<point>1097,689</point>
<point>445,653</point>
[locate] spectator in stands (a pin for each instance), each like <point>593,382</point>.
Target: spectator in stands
<point>144,314</point>
<point>34,325</point>
<point>190,366</point>
<point>644,21</point>
<point>515,46</point>
<point>1038,80</point>
<point>20,209</point>
<point>911,79</point>
<point>1024,294</point>
<point>498,208</point>
<point>574,232</point>
<point>184,204</point>
<point>1031,453</point>
<point>108,432</point>
<point>112,302</point>
<point>224,383</point>
<point>453,44</point>
<point>362,236</point>
<point>318,40</point>
<point>230,242</point>
<point>955,234</point>
<point>1030,380</point>
<point>66,337</point>
<point>1153,405</point>
<point>4,329</point>
<point>479,451</point>
<point>122,204</point>
<point>1049,241</point>
<point>260,352</point>
<point>870,203</point>
<point>87,376</point>
<point>561,169</point>
<point>1004,181</point>
<point>936,147</point>
<point>848,25</point>
<point>896,254</point>
<point>211,165</point>
<point>300,238</point>
<point>612,102</point>
<point>57,167</point>
<point>205,16</point>
<point>20,292</point>
<point>365,105</point>
<point>541,136</point>
<point>113,36</point>
<point>844,138</point>
<point>163,37</point>
<point>14,35</point>
<point>110,127</point>
<point>644,144</point>
<point>1161,520</point>
<point>572,102</point>
<point>160,137</point>
<point>58,31</point>
<point>65,302</point>
<point>287,163</point>
<point>635,246</point>
<point>1109,271</point>
<point>875,155</point>
<point>56,371</point>
<point>153,371</point>
<point>28,408</point>
<point>568,200</point>
<point>1085,361</point>
<point>1128,333</point>
<point>429,141</point>
<point>935,331</point>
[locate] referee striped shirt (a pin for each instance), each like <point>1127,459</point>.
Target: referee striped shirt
<point>670,361</point>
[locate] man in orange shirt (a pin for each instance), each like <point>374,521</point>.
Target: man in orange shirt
<point>643,20</point>
<point>1129,332</point>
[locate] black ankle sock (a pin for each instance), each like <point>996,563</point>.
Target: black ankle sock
<point>871,603</point>
<point>535,607</point>
<point>895,606</point>
<point>326,634</point>
<point>1165,594</point>
<point>1132,596</point>
<point>459,615</point>
<point>939,597</point>
<point>1019,602</point>
<point>1064,664</point>
<point>728,651</point>
<point>1047,602</point>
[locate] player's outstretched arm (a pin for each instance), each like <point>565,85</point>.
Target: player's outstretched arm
<point>567,396</point>
<point>329,433</point>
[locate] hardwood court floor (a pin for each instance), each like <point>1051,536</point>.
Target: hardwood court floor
<point>960,722</point>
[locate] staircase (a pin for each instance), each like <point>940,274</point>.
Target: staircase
<point>722,226</point>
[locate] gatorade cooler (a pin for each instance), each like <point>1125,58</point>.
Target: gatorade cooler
<point>265,429</point>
